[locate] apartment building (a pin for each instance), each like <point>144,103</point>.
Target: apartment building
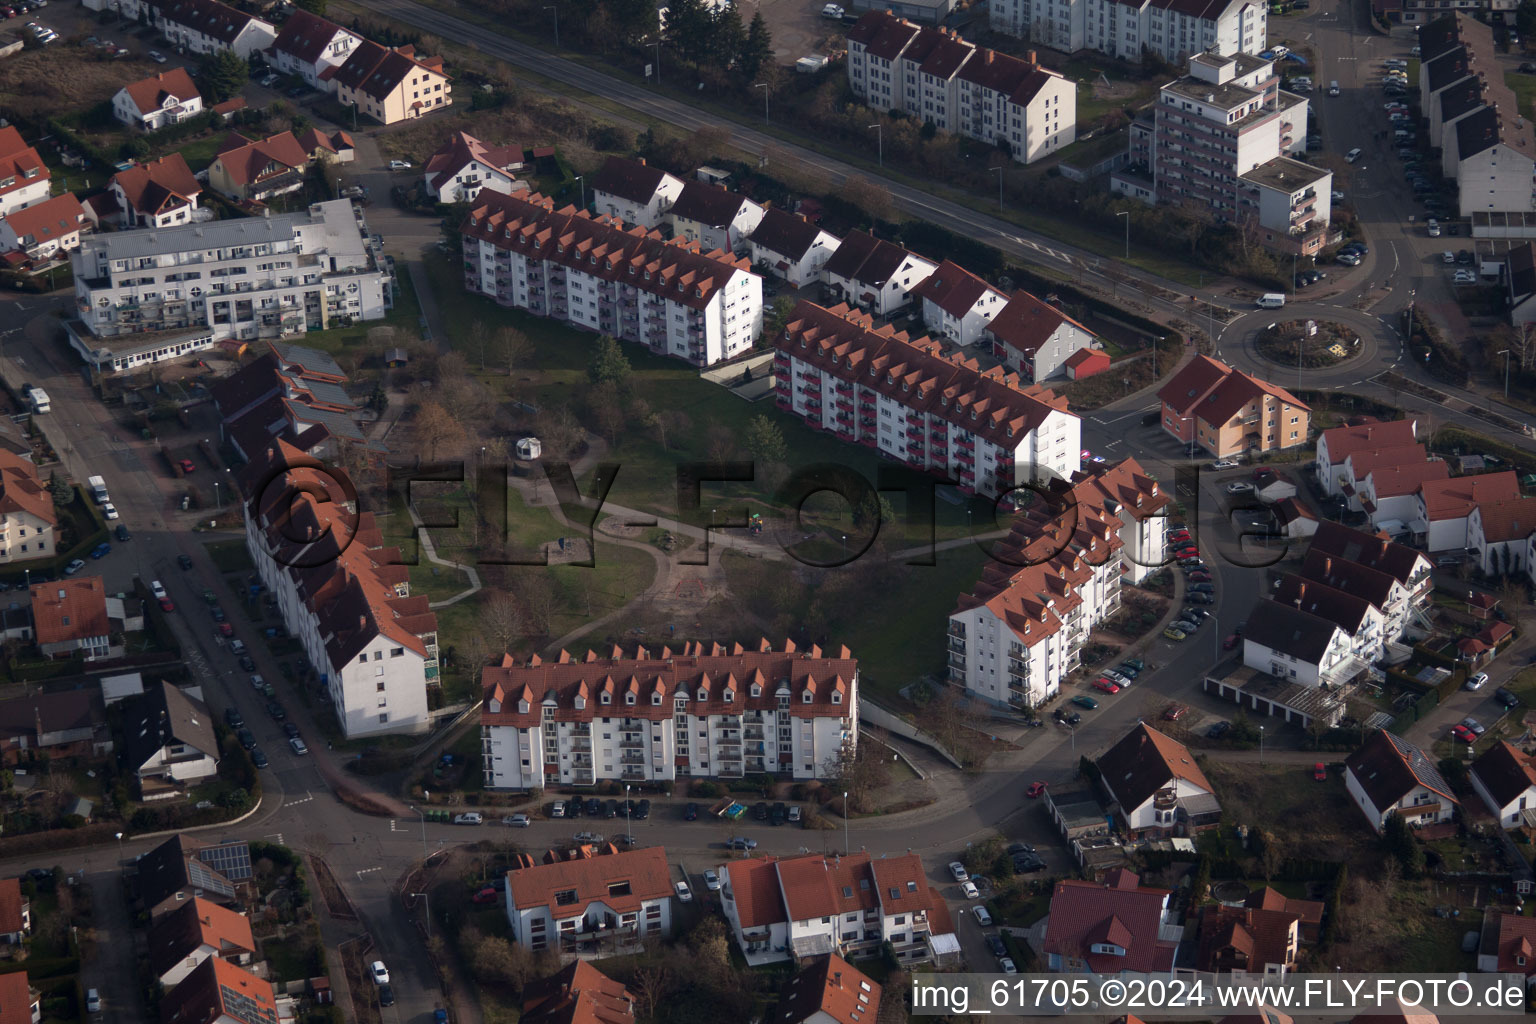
<point>311,47</point>
<point>69,618</point>
<point>633,192</point>
<point>464,165</point>
<point>1444,505</point>
<point>28,518</point>
<point>1493,160</point>
<point>782,908</point>
<point>1170,30</point>
<point>714,217</point>
<point>1228,412</point>
<point>957,304</point>
<point>343,595</point>
<point>43,232</point>
<point>577,902</point>
<point>1389,775</point>
<point>24,179</point>
<point>1035,339</point>
<point>160,194</point>
<point>874,274</point>
<point>146,295</point>
<point>791,247</point>
<point>933,74</point>
<point>158,101</point>
<point>673,297</point>
<point>391,84</point>
<point>1226,138</point>
<point>1056,576</point>
<point>297,394</point>
<point>659,715</point>
<point>931,411</point>
<point>1499,531</point>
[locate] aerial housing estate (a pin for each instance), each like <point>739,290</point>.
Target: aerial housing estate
<point>1226,138</point>
<point>389,84</point>
<point>196,26</point>
<point>152,294</point>
<point>664,714</point>
<point>1055,577</point>
<point>934,75</point>
<point>343,595</point>
<point>676,298</point>
<point>1169,30</point>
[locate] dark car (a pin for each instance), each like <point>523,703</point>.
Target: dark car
<point>1218,730</point>
<point>258,758</point>
<point>295,93</point>
<point>1201,599</point>
<point>1464,256</point>
<point>995,945</point>
<point>1528,68</point>
<point>1027,865</point>
<point>122,532</point>
<point>290,730</point>
<point>217,613</point>
<point>760,811</point>
<point>247,739</point>
<point>1073,718</point>
<point>276,710</point>
<point>234,717</point>
<point>184,561</point>
<point>386,994</point>
<point>246,663</point>
<point>777,815</point>
<point>594,807</point>
<point>643,810</point>
<point>611,809</point>
<point>1203,588</point>
<point>691,812</point>
<point>1505,697</point>
<point>573,809</point>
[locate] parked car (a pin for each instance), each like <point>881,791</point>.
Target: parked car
<point>386,995</point>
<point>1477,681</point>
<point>1464,734</point>
<point>399,165</point>
<point>247,739</point>
<point>557,809</point>
<point>691,812</point>
<point>1221,464</point>
<point>1106,685</point>
<point>290,730</point>
<point>1202,588</point>
<point>1197,576</point>
<point>995,945</point>
<point>1230,642</point>
<point>469,818</point>
<point>122,533</point>
<point>296,743</point>
<point>92,1001</point>
<point>1218,730</point>
<point>1320,772</point>
<point>1134,664</point>
<point>1175,712</point>
<point>517,820</point>
<point>1505,697</point>
<point>187,466</point>
<point>1474,725</point>
<point>486,895</point>
<point>1239,487</point>
<point>587,838</point>
<point>1464,277</point>
<point>1174,634</point>
<point>157,588</point>
<point>957,871</point>
<point>157,56</point>
<point>794,814</point>
<point>1116,678</point>
<point>684,894</point>
<point>276,710</point>
<point>1035,790</point>
<point>969,891</point>
<point>233,717</point>
<point>1201,598</point>
<point>258,758</point>
<point>742,843</point>
<point>711,880</point>
<point>1084,701</point>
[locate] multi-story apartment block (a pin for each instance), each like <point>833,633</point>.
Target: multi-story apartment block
<point>1034,338</point>
<point>27,515</point>
<point>1223,137</point>
<point>1170,30</point>
<point>157,101</point>
<point>152,294</point>
<point>309,46</point>
<point>670,296</point>
<point>908,399</point>
<point>1422,13</point>
<point>1055,577</point>
<point>664,714</point>
<point>343,595</point>
<point>1494,153</point>
<point>782,908</point>
<point>633,192</point>
<point>957,304</point>
<point>391,84</point>
<point>160,194</point>
<point>24,178</point>
<point>791,247</point>
<point>1227,412</point>
<point>591,900</point>
<point>1401,585</point>
<point>933,74</point>
<point>714,216</point>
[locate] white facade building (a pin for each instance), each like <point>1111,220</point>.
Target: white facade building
<point>791,247</point>
<point>875,275</point>
<point>633,192</point>
<point>1034,338</point>
<point>158,101</point>
<point>1170,30</point>
<point>309,46</point>
<point>1505,777</point>
<point>1500,531</point>
<point>1388,775</point>
<point>714,217</point>
<point>957,304</point>
<point>1337,444</point>
<point>601,897</point>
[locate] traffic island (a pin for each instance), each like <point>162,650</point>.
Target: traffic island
<point>1312,344</point>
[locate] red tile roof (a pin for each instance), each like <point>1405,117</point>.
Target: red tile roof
<point>829,986</point>
<point>1215,392</point>
<point>11,904</point>
<point>1517,942</point>
<point>159,185</point>
<point>997,72</point>
<point>193,925</point>
<point>151,93</point>
<point>1086,362</point>
<point>378,72</point>
<point>246,161</point>
<point>71,609</point>
<point>620,881</point>
<point>953,289</point>
<point>754,885</point>
<point>1309,912</point>
<point>461,149</point>
<point>52,220</point>
<point>1145,761</point>
<point>15,998</point>
<point>1343,442</point>
<point>22,490</point>
<point>1456,497</point>
<point>306,36</point>
<point>1399,481</point>
<point>819,886</point>
<point>1246,938</point>
<point>1082,910</point>
<point>1365,460</point>
<point>218,988</point>
<point>1025,323</point>
<point>1508,519</point>
<point>19,160</point>
<point>579,994</point>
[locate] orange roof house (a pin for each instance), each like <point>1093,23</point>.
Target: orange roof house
<point>15,911</point>
<point>70,615</point>
<point>1228,412</point>
<point>248,169</point>
<point>579,994</point>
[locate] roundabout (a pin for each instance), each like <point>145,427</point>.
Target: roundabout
<point>1308,344</point>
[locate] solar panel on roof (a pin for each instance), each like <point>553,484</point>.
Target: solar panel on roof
<point>240,1005</point>
<point>231,859</point>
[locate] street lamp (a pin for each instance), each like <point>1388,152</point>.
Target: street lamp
<point>879,143</point>
<point>582,179</point>
<point>427,899</point>
<point>556,11</point>
<point>1000,169</point>
<point>629,835</point>
<point>845,821</point>
<point>657,47</point>
<point>763,86</point>
<point>122,864</point>
<point>1261,746</point>
<point>1505,354</point>
<point>1127,215</point>
<point>338,188</point>
<point>425,796</point>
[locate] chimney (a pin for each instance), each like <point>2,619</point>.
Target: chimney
<point>987,56</point>
<point>1030,56</point>
<point>362,622</point>
<point>642,161</point>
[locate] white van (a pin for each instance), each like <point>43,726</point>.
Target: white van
<point>1271,300</point>
<point>1333,88</point>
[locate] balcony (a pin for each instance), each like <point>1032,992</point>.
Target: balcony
<point>632,772</point>
<point>632,743</point>
<point>631,759</point>
<point>580,744</point>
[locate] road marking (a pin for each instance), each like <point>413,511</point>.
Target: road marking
<point>368,871</point>
<point>395,826</point>
<point>308,796</point>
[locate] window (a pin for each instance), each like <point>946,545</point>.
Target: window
<point>381,686</point>
<point>383,718</point>
<point>397,652</point>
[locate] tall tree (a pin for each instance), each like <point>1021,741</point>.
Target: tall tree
<point>756,49</point>
<point>632,19</point>
<point>223,75</point>
<point>609,364</point>
<point>436,429</point>
<point>688,29</point>
<point>765,441</point>
<point>727,36</point>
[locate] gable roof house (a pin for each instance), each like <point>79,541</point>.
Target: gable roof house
<point>283,394</point>
<point>1499,531</point>
<point>714,216</point>
<point>39,233</point>
<point>20,1003</point>
<point>1228,412</point>
<point>1108,928</point>
<point>168,740</point>
<point>957,304</point>
<point>392,85</point>
<point>207,26</point>
<point>791,247</point>
<point>183,868</point>
<point>1035,338</point>
<point>160,100</point>
<point>1336,444</point>
<point>1249,940</point>
<point>1155,787</point>
<point>180,941</point>
<point>827,990</point>
<point>1505,777</point>
<point>69,617</point>
<point>1299,647</point>
<point>578,994</point>
<point>464,165</point>
<point>27,514</point>
<point>1389,775</point>
<point>218,992</point>
<point>15,912</point>
<point>591,903</point>
<point>875,275</point>
<point>24,178</point>
<point>70,723</point>
<point>158,194</point>
<point>1520,280</point>
<point>249,170</point>
<point>1508,945</point>
<point>309,46</point>
<point>1440,522</point>
<point>634,192</point>
<point>1309,913</point>
<point>1410,587</point>
<point>336,147</point>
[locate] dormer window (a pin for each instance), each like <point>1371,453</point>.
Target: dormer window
<point>522,707</point>
<point>606,698</point>
<point>580,702</point>
<point>730,696</point>
<point>757,691</point>
<point>703,694</point>
<point>837,698</point>
<point>629,698</point>
<point>656,699</point>
<point>806,697</point>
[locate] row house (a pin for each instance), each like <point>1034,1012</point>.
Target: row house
<point>309,46</point>
<point>1155,787</point>
<point>917,405</point>
<point>932,74</point>
<point>203,26</point>
<point>783,908</point>
<point>1337,444</point>
<point>71,724</point>
<point>828,990</point>
<point>24,179</point>
<point>183,869</point>
<point>1440,520</point>
<point>342,593</point>
<point>790,247</point>
<point>578,994</point>
<point>28,517</point>
<point>1228,412</point>
<point>20,1001</point>
<point>218,991</point>
<point>634,192</point>
<point>160,194</point>
<point>589,900</point>
<point>181,940</point>
<point>1169,30</point>
<point>673,297</point>
<point>15,912</point>
<point>294,393</point>
<point>158,101</point>
<point>874,274</point>
<point>1389,493</point>
<point>464,165</point>
<point>661,715</point>
<point>1389,775</point>
<point>44,232</point>
<point>714,217</point>
<point>391,84</point>
<point>1056,576</point>
<point>957,304</point>
<point>1035,339</point>
<point>1407,569</point>
<point>1499,531</point>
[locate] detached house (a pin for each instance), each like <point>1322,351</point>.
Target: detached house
<point>180,941</point>
<point>827,990</point>
<point>1499,531</point>
<point>392,85</point>
<point>568,904</point>
<point>633,192</point>
<point>1440,521</point>
<point>464,165</point>
<point>70,723</point>
<point>168,741</point>
<point>1228,412</point>
<point>160,100</point>
<point>1035,338</point>
<point>875,275</point>
<point>15,912</point>
<point>1156,788</point>
<point>159,194</point>
<point>1108,929</point>
<point>957,304</point>
<point>39,233</point>
<point>250,171</point>
<point>791,247</point>
<point>27,515</point>
<point>24,178</point>
<point>312,48</point>
<point>1388,775</point>
<point>578,994</point>
<point>182,869</point>
<point>714,216</point>
<point>20,1003</point>
<point>1508,945</point>
<point>1292,644</point>
<point>69,617</point>
<point>1247,940</point>
<point>1505,777</point>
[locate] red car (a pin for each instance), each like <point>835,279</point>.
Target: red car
<point>166,605</point>
<point>187,466</point>
<point>1199,576</point>
<point>1230,642</point>
<point>1464,734</point>
<point>1259,471</point>
<point>1107,685</point>
<point>1181,535</point>
<point>1035,790</point>
<point>225,629</point>
<point>1175,712</point>
<point>1319,772</point>
<point>486,895</point>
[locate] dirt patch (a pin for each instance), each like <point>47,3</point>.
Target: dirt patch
<point>66,78</point>
<point>797,27</point>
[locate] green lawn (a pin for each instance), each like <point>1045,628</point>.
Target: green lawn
<point>1524,88</point>
<point>199,153</point>
<point>406,315</point>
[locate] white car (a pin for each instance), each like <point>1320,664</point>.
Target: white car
<point>1005,965</point>
<point>1477,682</point>
<point>1239,487</point>
<point>258,683</point>
<point>1465,277</point>
<point>469,818</point>
<point>157,56</point>
<point>983,916</point>
<point>684,894</point>
<point>958,872</point>
<point>73,567</point>
<point>1223,464</point>
<point>297,745</point>
<point>517,820</point>
<point>268,81</point>
<point>399,165</point>
<point>1352,155</point>
<point>92,1001</point>
<point>158,589</point>
<point>380,972</point>
<point>832,11</point>
<point>1119,680</point>
<point>711,881</point>
<point>109,510</point>
<point>968,888</point>
<point>1448,257</point>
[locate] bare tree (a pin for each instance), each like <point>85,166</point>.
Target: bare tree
<point>722,443</point>
<point>513,347</point>
<point>539,602</point>
<point>560,432</point>
<point>607,407</point>
<point>479,340</point>
<point>436,428</point>
<point>501,619</point>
